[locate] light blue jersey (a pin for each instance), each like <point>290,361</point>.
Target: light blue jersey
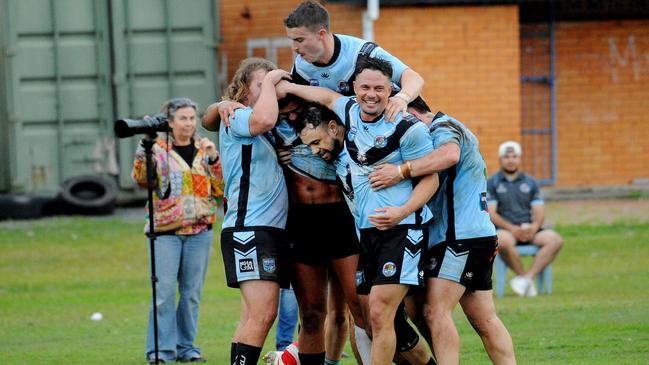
<point>460,204</point>
<point>303,161</point>
<point>254,183</point>
<point>338,74</point>
<point>369,144</point>
<point>343,171</point>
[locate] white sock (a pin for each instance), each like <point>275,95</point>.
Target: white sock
<point>364,345</point>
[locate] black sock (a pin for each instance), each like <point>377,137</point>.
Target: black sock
<point>431,362</point>
<point>311,359</point>
<point>233,353</point>
<point>247,354</point>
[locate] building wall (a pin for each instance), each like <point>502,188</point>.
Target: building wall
<point>469,58</point>
<point>602,110</point>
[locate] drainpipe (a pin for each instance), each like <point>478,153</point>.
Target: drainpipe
<point>369,16</point>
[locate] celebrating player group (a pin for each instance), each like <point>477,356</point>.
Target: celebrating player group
<point>341,182</point>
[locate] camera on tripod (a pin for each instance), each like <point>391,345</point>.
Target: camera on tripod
<point>125,128</point>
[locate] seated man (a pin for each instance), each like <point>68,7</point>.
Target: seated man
<point>516,208</point>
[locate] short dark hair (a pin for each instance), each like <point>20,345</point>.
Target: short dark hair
<point>286,100</point>
<point>315,115</point>
<point>419,104</point>
<point>309,14</point>
<point>373,63</point>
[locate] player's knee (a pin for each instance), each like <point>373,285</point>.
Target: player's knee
<point>433,314</point>
<point>312,319</point>
<point>264,317</point>
<point>482,326</point>
<point>378,317</point>
<point>338,318</point>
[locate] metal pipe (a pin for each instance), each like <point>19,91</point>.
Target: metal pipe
<point>553,97</point>
<point>369,16</point>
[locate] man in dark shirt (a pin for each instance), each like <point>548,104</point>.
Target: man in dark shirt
<point>516,208</point>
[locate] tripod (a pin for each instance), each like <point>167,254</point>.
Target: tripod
<point>147,143</point>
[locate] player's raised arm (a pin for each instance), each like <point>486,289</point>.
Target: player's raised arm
<point>315,94</point>
<point>264,112</point>
<point>411,85</point>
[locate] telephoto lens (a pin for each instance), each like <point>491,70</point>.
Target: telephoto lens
<point>125,128</point>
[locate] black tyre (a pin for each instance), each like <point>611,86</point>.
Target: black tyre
<point>88,194</point>
<point>21,206</point>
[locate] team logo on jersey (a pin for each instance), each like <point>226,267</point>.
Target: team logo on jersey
<point>389,269</point>
<point>343,86</point>
<point>468,275</point>
<point>380,141</point>
<point>314,82</point>
<point>246,265</point>
<point>269,264</point>
<point>501,189</point>
<point>483,202</point>
<point>525,189</point>
<point>352,133</point>
<point>361,157</point>
<point>324,75</point>
<point>359,278</point>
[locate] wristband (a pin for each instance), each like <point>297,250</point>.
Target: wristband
<point>400,173</point>
<point>409,164</point>
<point>404,171</point>
<point>403,96</point>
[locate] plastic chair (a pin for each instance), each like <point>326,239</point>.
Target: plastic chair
<point>543,279</point>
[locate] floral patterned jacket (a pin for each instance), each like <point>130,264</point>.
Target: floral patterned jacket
<point>185,197</point>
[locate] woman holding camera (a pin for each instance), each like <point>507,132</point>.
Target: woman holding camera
<point>253,241</point>
<point>188,182</point>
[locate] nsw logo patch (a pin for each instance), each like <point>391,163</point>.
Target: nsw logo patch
<point>268,264</point>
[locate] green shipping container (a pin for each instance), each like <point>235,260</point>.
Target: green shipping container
<point>69,68</point>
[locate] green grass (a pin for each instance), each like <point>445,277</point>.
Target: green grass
<point>55,273</point>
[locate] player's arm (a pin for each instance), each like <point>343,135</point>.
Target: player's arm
<point>320,95</point>
<point>411,85</point>
<point>437,160</point>
<point>220,111</point>
<point>388,217</point>
<point>264,113</point>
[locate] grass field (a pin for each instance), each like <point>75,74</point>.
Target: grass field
<point>54,273</point>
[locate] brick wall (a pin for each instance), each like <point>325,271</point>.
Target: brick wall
<point>602,109</point>
<point>469,57</point>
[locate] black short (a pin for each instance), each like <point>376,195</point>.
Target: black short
<point>259,254</point>
<point>468,262</point>
<point>320,233</point>
<point>392,257</point>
